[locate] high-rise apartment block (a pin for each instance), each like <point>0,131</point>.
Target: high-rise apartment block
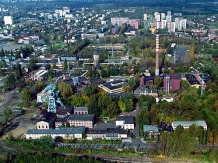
<point>180,23</point>
<point>145,16</point>
<point>8,20</point>
<point>121,20</point>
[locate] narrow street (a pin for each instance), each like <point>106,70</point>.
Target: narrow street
<point>137,141</point>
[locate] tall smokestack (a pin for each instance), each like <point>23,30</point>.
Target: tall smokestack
<point>157,54</point>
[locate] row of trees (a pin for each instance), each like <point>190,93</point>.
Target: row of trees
<point>42,157</point>
<point>181,143</point>
<point>143,117</point>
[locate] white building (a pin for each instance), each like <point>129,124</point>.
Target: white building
<point>161,25</point>
<point>187,124</point>
<point>8,20</point>
<point>46,121</point>
<point>180,24</point>
<point>145,16</point>
<point>65,133</point>
<point>163,16</point>
<point>168,99</point>
<point>171,27</point>
<point>125,122</point>
<point>39,76</point>
<point>157,16</point>
<point>169,18</point>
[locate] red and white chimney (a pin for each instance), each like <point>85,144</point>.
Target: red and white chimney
<point>157,54</point>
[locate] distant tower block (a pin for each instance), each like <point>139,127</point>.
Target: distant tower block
<point>157,55</point>
<point>167,84</point>
<point>96,59</point>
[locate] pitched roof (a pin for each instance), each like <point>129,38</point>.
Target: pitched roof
<point>83,117</point>
<point>73,130</point>
<point>205,77</point>
<point>192,79</point>
<point>127,119</point>
<point>80,108</point>
<point>48,117</point>
<point>62,110</point>
<point>104,126</point>
<point>147,128</point>
<point>189,123</point>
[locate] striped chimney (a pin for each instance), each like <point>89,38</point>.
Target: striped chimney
<point>157,54</point>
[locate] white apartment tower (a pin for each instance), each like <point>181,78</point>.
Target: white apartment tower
<point>8,20</point>
<point>157,16</point>
<point>163,16</point>
<point>180,24</point>
<point>171,27</point>
<point>145,16</point>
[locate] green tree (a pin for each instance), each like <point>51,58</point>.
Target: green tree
<point>65,89</point>
<point>77,101</point>
<point>185,84</point>
<point>25,97</point>
<point>9,82</point>
<point>32,64</point>
<point>122,105</point>
<point>18,71</point>
<point>179,129</point>
<point>131,84</point>
<point>6,112</point>
<point>65,65</point>
<point>67,124</point>
<point>92,89</point>
<point>104,101</point>
<point>112,110</point>
<point>142,119</point>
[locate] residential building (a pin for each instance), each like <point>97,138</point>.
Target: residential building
<point>157,16</point>
<point>151,131</point>
<point>81,110</point>
<point>121,20</point>
<point>8,20</point>
<point>187,124</point>
<point>171,27</point>
<point>86,120</point>
<point>180,24</point>
<point>65,133</point>
<point>125,122</point>
<point>46,122</point>
<point>161,24</point>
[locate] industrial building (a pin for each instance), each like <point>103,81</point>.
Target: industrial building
<point>187,124</point>
<point>66,133</point>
